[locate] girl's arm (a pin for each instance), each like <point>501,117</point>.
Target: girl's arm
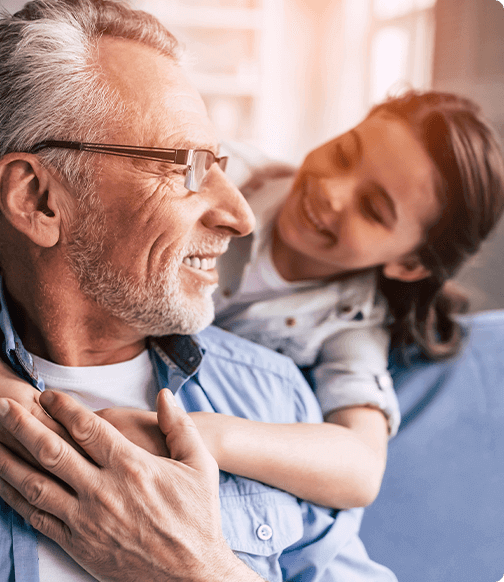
<point>339,463</point>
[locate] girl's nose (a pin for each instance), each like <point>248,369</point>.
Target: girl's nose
<point>335,196</point>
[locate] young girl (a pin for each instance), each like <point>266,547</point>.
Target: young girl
<point>350,252</point>
<point>357,244</point>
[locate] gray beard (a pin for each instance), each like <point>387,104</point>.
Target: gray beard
<point>154,308</point>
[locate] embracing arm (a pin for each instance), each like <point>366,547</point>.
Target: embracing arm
<point>122,513</point>
<point>339,463</point>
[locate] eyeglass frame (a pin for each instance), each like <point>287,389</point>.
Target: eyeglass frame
<point>180,157</point>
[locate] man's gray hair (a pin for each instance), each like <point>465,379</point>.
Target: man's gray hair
<point>50,83</point>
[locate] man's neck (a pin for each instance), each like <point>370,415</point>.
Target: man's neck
<point>71,331</point>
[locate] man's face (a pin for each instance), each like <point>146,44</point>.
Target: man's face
<point>145,249</point>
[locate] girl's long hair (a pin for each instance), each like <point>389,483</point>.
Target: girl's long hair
<point>471,190</point>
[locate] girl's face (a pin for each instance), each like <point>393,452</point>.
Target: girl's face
<point>361,200</point>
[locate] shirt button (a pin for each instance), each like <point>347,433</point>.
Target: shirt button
<point>264,532</point>
<point>226,292</point>
<point>290,321</point>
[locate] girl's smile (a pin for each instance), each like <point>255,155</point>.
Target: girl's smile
<point>362,200</point>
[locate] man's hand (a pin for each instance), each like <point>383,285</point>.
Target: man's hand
<point>123,514</point>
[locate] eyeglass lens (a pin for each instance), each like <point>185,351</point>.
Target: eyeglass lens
<point>201,163</point>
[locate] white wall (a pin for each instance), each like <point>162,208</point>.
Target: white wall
<point>12,5</point>
<point>469,59</point>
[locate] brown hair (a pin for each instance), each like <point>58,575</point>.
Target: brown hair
<point>471,190</point>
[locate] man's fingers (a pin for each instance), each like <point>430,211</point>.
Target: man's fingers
<point>97,437</point>
<point>52,452</point>
<point>182,437</point>
<point>45,523</point>
<point>34,489</point>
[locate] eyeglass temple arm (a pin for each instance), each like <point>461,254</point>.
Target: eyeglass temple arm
<point>169,155</point>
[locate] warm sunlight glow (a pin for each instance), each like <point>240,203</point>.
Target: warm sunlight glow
<point>388,60</point>
<point>393,8</point>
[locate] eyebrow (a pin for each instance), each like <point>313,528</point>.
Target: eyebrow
<point>378,188</point>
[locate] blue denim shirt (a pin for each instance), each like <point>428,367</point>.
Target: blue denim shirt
<point>277,535</point>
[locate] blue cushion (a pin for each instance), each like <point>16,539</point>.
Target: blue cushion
<point>440,514</point>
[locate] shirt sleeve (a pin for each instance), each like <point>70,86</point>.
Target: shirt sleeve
<point>352,370</point>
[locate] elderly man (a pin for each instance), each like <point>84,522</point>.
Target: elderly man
<point>114,207</point>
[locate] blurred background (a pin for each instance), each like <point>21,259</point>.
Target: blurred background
<point>286,75</point>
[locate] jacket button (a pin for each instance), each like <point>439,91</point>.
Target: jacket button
<point>290,321</point>
<point>345,309</point>
<point>264,532</point>
<point>226,292</point>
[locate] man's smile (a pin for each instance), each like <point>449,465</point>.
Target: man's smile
<point>201,263</point>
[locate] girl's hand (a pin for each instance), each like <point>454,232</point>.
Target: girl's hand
<point>138,426</point>
<point>13,387</point>
<point>141,427</point>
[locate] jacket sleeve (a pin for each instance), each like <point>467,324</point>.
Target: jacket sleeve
<point>351,370</point>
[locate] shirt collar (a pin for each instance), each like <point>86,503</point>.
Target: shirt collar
<point>13,350</point>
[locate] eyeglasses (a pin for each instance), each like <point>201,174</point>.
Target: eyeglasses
<point>198,162</point>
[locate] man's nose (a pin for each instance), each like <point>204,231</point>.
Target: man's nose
<point>228,211</point>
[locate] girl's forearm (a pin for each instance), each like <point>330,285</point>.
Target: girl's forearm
<point>327,464</point>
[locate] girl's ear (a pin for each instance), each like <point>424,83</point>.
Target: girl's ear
<point>30,198</point>
<point>409,270</point>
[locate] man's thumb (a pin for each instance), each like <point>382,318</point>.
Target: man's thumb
<point>183,439</point>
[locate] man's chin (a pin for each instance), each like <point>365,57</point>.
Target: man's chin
<point>184,322</point>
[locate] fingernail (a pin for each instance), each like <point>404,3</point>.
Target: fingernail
<point>48,396</point>
<point>170,397</point>
<point>4,407</point>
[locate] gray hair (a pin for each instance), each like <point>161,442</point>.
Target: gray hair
<point>50,85</point>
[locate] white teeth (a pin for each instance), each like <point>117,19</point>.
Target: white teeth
<point>201,264</point>
<point>311,215</point>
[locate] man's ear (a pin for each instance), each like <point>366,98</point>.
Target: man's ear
<point>29,198</point>
<point>408,269</point>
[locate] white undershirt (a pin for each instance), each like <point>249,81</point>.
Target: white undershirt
<point>130,383</point>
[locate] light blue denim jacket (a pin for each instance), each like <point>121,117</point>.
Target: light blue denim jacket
<point>277,535</point>
<point>335,331</point>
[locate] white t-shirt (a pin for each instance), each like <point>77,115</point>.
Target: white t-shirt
<point>130,384</point>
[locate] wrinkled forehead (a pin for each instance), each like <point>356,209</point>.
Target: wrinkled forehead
<point>161,106</point>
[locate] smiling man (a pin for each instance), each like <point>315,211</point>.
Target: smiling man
<point>114,208</point>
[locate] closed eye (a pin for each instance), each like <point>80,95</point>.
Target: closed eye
<point>371,210</point>
<point>342,159</point>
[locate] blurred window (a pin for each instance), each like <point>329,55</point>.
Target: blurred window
<point>400,47</point>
